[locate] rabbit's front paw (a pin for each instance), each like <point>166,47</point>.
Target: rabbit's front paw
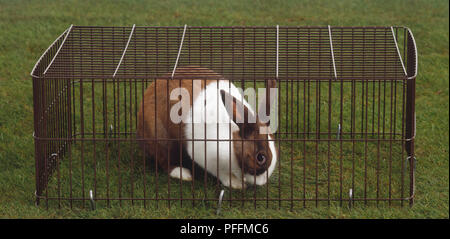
<point>184,174</point>
<point>236,183</point>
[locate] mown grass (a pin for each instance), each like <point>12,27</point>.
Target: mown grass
<point>28,27</point>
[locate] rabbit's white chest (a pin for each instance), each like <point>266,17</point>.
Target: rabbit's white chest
<point>208,119</point>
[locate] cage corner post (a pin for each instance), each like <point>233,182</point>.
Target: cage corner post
<point>38,190</point>
<point>411,68</point>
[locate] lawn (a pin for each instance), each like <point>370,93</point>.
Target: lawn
<point>28,27</point>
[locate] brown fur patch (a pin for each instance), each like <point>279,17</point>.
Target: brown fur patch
<point>154,121</point>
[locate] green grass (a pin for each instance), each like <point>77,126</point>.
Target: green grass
<point>28,27</point>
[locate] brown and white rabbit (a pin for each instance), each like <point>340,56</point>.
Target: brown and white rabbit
<point>253,155</point>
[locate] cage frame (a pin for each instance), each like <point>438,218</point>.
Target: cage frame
<point>44,168</point>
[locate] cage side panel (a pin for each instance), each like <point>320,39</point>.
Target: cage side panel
<point>323,167</point>
<point>52,127</point>
<point>42,101</point>
<point>52,117</point>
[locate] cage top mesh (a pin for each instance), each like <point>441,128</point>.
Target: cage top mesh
<point>346,53</point>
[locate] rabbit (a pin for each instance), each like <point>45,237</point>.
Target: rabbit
<point>234,163</point>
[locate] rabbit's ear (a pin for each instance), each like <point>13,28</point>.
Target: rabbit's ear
<point>239,113</point>
<point>267,101</point>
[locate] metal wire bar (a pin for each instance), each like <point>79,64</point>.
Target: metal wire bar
<point>332,51</point>
<point>33,71</point>
<point>179,51</point>
<point>56,54</point>
<point>278,50</point>
<point>398,51</point>
<point>124,51</point>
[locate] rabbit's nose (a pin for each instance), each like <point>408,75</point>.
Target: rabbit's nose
<point>261,159</point>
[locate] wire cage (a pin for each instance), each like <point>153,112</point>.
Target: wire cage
<point>345,110</point>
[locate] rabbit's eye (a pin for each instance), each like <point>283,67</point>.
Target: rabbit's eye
<point>261,158</point>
